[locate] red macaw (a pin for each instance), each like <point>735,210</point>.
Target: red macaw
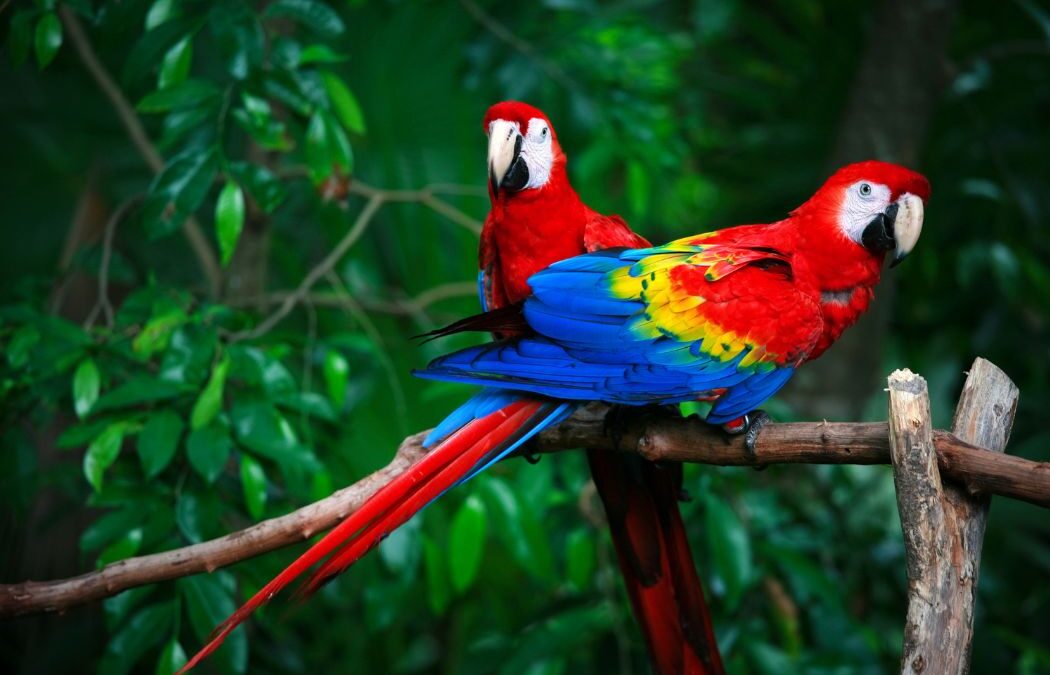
<point>725,317</point>
<point>537,219</point>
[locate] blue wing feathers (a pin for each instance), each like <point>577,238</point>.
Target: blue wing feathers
<point>592,345</point>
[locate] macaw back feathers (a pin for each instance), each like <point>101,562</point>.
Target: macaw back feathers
<point>633,326</point>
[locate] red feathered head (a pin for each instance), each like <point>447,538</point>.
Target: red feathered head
<point>523,150</point>
<point>876,204</point>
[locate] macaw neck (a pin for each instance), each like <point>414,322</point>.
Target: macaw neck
<point>536,228</point>
<point>843,273</point>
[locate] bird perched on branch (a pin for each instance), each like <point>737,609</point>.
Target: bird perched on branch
<point>537,219</point>
<point>725,317</point>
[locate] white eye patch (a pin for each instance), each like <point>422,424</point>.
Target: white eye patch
<point>864,200</point>
<point>537,151</point>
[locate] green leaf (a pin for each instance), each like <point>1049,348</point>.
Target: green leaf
<point>186,94</point>
<point>240,38</point>
<point>189,517</point>
<point>439,594</point>
<point>308,403</point>
<point>124,547</point>
<point>188,358</point>
<point>158,441</point>
<point>400,551</point>
<point>20,36</point>
<point>336,377</point>
<point>229,219</point>
<point>314,15</point>
<point>178,190</point>
<point>22,342</point>
<point>86,383</point>
<point>131,642</point>
<point>209,403</point>
<point>262,185</point>
<point>138,390</point>
<point>730,549</point>
<point>253,482</point>
<point>319,54</point>
<point>175,67</point>
<point>155,334</point>
<point>118,607</point>
<point>161,11</point>
<point>344,103</point>
<point>110,526</point>
<point>80,434</point>
<point>286,88</point>
<point>48,38</point>
<point>580,558</point>
<point>466,543</point>
<point>260,369</point>
<point>520,531</point>
<point>208,449</point>
<point>208,602</point>
<point>102,452</point>
<point>266,432</point>
<point>327,148</point>
<point>268,132</point>
<point>149,50</point>
<point>172,657</point>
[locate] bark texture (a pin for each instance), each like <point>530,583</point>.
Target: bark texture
<point>943,522</point>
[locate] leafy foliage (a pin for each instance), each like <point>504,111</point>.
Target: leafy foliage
<point>177,419</point>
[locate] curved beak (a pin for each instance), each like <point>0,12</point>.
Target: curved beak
<point>895,229</point>
<point>908,227</point>
<point>507,168</point>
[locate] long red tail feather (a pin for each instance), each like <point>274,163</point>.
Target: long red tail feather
<point>641,502</point>
<point>402,511</point>
<point>391,506</point>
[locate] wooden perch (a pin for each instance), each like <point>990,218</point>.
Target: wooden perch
<point>657,437</point>
<point>943,523</point>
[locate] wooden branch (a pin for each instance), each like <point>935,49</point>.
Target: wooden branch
<point>33,597</point>
<point>660,438</point>
<point>943,523</point>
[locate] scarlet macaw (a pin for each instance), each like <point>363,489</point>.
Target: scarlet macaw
<point>538,219</point>
<point>725,316</point>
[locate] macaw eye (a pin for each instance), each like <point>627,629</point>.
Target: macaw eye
<point>865,189</point>
<point>543,133</point>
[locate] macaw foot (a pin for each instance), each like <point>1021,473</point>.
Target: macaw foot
<point>751,426</point>
<point>529,454</point>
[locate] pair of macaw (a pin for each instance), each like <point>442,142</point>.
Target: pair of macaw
<point>585,309</point>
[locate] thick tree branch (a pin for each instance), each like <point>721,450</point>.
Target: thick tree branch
<point>658,438</point>
<point>943,524</point>
<point>136,132</point>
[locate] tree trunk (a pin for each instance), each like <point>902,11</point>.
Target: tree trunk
<point>898,84</point>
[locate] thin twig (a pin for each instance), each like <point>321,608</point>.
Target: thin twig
<point>424,196</point>
<point>411,306</point>
<point>311,278</point>
<point>103,302</point>
<point>506,35</point>
<point>658,438</point>
<point>351,307</point>
<point>136,132</point>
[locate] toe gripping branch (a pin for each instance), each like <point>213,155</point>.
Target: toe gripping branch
<point>751,426</point>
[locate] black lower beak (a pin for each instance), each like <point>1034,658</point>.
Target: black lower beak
<point>517,176</point>
<point>878,236</point>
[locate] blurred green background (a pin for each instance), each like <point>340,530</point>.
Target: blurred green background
<point>175,418</point>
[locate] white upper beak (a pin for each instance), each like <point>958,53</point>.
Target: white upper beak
<point>908,225</point>
<point>503,139</point>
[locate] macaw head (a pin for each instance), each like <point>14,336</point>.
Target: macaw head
<point>876,205</point>
<point>523,151</point>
